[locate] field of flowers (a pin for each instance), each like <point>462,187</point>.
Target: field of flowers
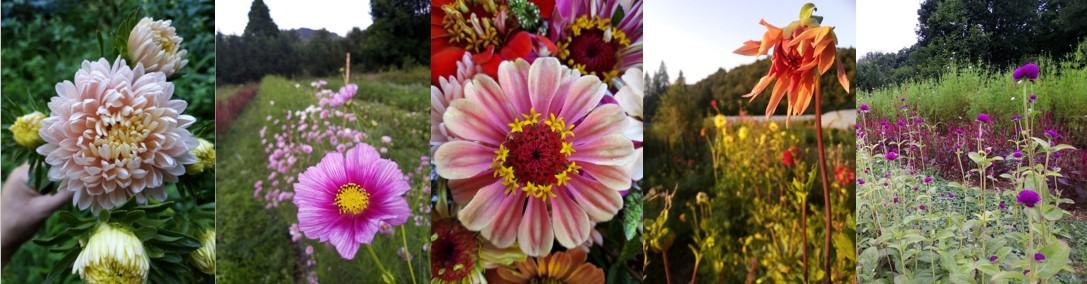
<point>742,208</point>
<point>981,195</point>
<point>286,129</point>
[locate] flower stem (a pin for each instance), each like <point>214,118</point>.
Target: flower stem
<point>404,238</point>
<point>377,260</point>
<point>826,186</point>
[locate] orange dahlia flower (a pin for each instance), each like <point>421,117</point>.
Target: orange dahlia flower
<point>802,52</point>
<point>559,267</point>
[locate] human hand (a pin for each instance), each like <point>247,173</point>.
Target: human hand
<point>22,210</point>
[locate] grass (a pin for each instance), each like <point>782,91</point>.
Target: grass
<point>254,242</point>
<point>964,91</point>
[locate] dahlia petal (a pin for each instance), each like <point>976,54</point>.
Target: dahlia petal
<point>571,225</point>
<point>482,210</point>
<point>613,149</point>
<point>634,129</point>
<point>587,273</point>
<point>544,77</point>
<point>636,171</point>
<point>599,202</point>
<point>604,120</point>
<point>613,176</point>
<point>464,189</point>
<point>462,159</point>
<point>535,235</point>
<point>489,95</point>
<point>468,120</point>
<point>503,232</point>
<point>583,95</point>
<point>512,76</point>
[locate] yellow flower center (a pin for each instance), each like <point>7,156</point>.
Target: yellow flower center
<point>593,47</point>
<point>121,133</point>
<point>352,199</point>
<point>164,38</point>
<point>534,158</point>
<point>472,23</point>
<point>109,270</point>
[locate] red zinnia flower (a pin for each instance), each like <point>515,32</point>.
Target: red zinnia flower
<point>486,29</point>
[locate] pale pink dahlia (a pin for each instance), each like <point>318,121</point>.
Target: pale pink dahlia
<point>537,157</point>
<point>115,133</point>
<point>449,88</point>
<point>346,198</point>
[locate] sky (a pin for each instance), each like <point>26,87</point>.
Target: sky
<point>335,16</point>
<point>698,37</point>
<point>889,25</point>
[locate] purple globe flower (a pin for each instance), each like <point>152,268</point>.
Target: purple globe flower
<point>983,117</point>
<point>1018,154</point>
<point>1033,98</point>
<point>1016,117</point>
<point>928,179</point>
<point>860,181</point>
<point>891,155</point>
<point>1039,256</point>
<point>1029,71</point>
<point>1028,197</point>
<point>992,258</point>
<point>864,107</point>
<point>1002,205</point>
<point>895,200</point>
<point>922,207</point>
<point>1052,133</point>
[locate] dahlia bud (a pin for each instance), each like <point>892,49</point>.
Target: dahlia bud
<point>157,46</point>
<point>112,255</point>
<point>205,157</point>
<point>204,257</point>
<point>25,130</point>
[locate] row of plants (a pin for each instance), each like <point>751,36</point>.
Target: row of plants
<point>999,219</point>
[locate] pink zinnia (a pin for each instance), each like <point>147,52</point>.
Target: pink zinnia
<point>344,199</point>
<point>115,134</point>
<point>537,158</point>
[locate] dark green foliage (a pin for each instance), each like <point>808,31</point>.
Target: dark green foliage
<point>260,21</point>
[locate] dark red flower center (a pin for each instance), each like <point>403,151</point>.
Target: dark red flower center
<point>535,154</point>
<point>453,252</point>
<point>593,47</point>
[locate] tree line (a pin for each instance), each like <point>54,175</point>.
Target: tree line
<point>994,33</point>
<point>397,38</point>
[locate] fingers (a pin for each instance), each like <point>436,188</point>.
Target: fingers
<point>17,178</point>
<point>50,203</point>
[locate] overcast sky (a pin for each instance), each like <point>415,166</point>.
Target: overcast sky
<point>888,26</point>
<point>336,16</point>
<point>698,37</point>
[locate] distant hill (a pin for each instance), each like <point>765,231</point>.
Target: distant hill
<point>306,34</point>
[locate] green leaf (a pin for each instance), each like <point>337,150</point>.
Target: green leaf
<point>1056,258</point>
<point>62,268</point>
<point>632,215</point>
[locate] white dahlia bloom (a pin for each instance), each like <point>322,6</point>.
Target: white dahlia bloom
<point>157,46</point>
<point>631,98</point>
<point>112,255</point>
<point>204,257</point>
<point>114,134</point>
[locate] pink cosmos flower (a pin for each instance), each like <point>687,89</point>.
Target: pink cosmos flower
<point>537,157</point>
<point>115,134</point>
<point>345,198</point>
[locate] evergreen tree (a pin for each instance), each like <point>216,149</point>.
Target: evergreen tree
<point>260,21</point>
